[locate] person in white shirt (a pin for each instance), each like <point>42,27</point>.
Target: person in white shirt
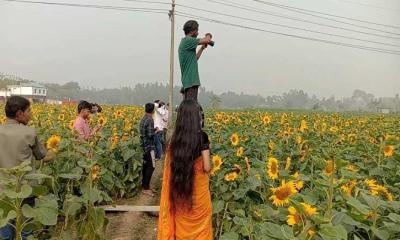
<point>165,125</point>
<point>159,125</point>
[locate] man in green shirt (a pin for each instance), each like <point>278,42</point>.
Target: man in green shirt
<point>188,58</point>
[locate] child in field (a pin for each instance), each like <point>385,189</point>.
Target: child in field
<point>81,124</point>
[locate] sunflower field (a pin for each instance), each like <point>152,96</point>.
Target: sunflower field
<point>276,175</point>
<point>305,175</point>
<point>83,175</point>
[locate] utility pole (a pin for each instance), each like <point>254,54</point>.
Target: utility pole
<point>171,72</point>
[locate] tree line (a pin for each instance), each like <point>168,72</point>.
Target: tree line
<point>140,94</point>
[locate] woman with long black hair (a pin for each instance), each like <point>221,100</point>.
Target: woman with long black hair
<point>185,206</point>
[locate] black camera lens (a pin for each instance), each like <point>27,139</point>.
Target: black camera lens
<point>211,43</point>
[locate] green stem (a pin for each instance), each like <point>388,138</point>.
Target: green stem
<point>19,217</point>
<point>222,221</point>
<point>375,217</point>
<point>330,191</point>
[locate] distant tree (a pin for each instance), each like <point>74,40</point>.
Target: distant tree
<point>215,102</point>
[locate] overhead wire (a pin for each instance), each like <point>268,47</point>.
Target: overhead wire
<point>290,27</point>
<point>311,13</point>
<point>187,15</point>
<point>158,10</point>
<point>108,7</point>
<point>304,20</point>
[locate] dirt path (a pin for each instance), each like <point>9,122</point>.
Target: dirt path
<point>137,225</point>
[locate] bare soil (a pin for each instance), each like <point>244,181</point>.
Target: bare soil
<point>137,225</point>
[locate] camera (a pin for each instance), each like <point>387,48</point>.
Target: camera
<point>211,43</point>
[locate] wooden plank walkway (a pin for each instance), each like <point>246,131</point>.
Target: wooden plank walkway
<point>128,208</point>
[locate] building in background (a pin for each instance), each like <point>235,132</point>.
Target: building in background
<point>35,92</point>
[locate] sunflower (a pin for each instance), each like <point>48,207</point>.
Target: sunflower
<point>273,168</point>
<point>217,161</point>
<point>114,141</point>
<point>61,117</point>
<point>291,130</point>
<point>308,210</point>
<point>324,127</point>
<point>288,163</point>
<point>311,232</point>
<point>329,167</point>
<point>282,193</point>
<point>347,188</point>
<point>303,156</point>
<point>299,185</point>
<point>303,125</point>
<point>248,166</point>
<point>334,129</point>
<point>52,142</point>
<point>351,168</point>
<point>102,121</point>
<point>283,118</point>
<point>125,137</point>
<point>231,176</point>
<point>71,124</point>
<point>372,140</point>
<point>389,196</point>
<point>299,139</point>
<point>376,188</point>
<point>94,172</point>
<point>266,119</point>
<point>271,145</point>
<point>293,217</point>
<point>127,126</point>
<point>238,168</point>
<point>388,151</point>
<point>352,138</point>
<point>239,152</point>
<point>235,139</point>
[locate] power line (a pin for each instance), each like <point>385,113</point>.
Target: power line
<point>244,7</point>
<point>368,5</point>
<point>157,10</point>
<point>290,35</point>
<point>145,1</point>
<point>306,12</point>
<point>286,17</point>
<point>108,7</point>
<point>296,28</point>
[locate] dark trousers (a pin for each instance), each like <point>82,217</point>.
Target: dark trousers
<point>158,142</point>
<point>147,171</point>
<point>191,92</point>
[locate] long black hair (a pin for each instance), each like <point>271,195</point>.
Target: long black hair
<point>185,149</point>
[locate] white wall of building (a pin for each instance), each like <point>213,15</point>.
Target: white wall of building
<point>4,93</point>
<point>27,91</point>
<point>39,92</point>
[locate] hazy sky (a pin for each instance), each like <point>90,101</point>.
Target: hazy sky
<point>106,48</point>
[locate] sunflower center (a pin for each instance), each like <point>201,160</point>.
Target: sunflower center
<point>282,193</point>
<point>273,168</point>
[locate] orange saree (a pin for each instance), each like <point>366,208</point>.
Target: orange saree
<point>184,223</point>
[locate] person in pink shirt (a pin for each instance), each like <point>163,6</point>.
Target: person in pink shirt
<point>81,124</point>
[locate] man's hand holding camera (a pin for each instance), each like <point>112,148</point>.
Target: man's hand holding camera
<point>204,42</point>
